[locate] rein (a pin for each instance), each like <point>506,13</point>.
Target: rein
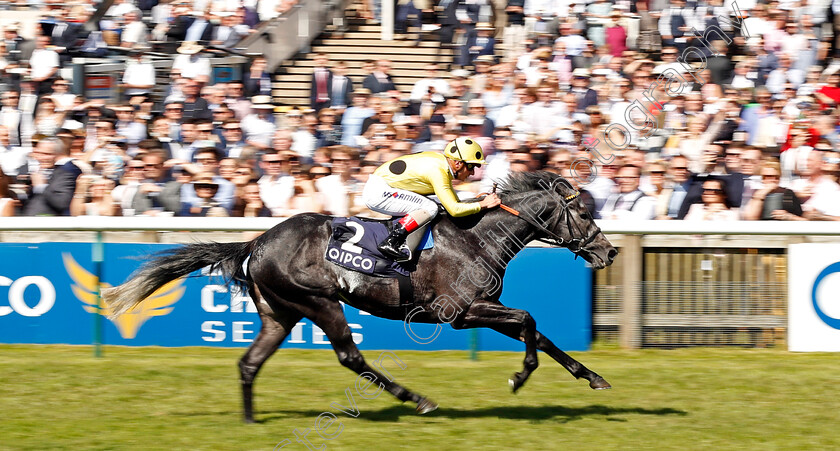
<point>553,238</point>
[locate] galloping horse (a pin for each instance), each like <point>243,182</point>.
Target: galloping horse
<point>288,278</point>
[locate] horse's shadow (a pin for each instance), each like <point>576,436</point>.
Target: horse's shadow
<point>561,414</point>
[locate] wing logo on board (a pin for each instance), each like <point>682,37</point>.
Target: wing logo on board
<point>159,303</point>
<point>831,321</point>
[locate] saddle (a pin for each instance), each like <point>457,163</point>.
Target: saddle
<point>353,243</point>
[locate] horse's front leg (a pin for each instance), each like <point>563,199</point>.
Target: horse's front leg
<point>573,366</point>
<point>512,322</point>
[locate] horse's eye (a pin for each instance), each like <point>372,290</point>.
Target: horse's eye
<point>585,216</point>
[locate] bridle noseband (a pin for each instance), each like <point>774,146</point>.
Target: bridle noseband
<point>575,245</point>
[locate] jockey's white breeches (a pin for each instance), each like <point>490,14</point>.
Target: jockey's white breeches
<point>382,198</point>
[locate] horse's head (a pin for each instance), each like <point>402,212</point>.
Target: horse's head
<point>554,208</point>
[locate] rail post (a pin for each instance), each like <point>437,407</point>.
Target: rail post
<point>98,254</point>
<point>630,324</point>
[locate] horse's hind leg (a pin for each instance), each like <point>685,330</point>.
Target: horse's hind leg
<point>275,327</point>
<point>330,318</point>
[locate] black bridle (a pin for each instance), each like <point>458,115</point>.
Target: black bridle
<point>576,245</point>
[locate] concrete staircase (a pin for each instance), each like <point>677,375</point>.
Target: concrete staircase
<point>360,42</point>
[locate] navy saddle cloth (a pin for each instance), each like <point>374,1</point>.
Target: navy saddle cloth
<point>353,246</point>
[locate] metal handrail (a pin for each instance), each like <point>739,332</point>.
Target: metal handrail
<point>120,223</point>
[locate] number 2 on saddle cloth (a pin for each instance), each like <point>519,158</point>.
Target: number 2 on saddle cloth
<point>353,246</point>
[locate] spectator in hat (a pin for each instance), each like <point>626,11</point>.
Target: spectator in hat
<point>190,64</point>
<point>207,162</point>
<point>615,34</point>
<point>138,78</point>
<point>584,95</point>
<point>259,126</point>
<point>480,41</point>
<point>205,186</point>
<point>19,50</point>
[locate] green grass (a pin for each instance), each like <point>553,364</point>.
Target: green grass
<point>61,397</point>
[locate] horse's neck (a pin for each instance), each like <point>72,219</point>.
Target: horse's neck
<point>502,235</point>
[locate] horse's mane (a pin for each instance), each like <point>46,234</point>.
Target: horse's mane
<point>523,182</point>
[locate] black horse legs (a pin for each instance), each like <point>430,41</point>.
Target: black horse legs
<point>330,318</point>
<point>273,331</point>
<point>512,322</point>
<point>573,366</point>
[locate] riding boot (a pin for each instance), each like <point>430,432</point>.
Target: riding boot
<point>390,247</point>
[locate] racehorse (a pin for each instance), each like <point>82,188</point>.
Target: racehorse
<point>288,278</point>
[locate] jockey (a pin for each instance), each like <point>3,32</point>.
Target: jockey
<point>400,186</point>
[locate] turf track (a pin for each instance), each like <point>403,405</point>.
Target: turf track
<point>60,397</point>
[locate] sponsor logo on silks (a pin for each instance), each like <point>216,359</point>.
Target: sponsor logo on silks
<point>402,196</point>
<point>831,321</point>
<point>351,260</point>
<point>158,303</point>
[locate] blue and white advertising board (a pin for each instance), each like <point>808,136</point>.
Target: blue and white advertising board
<point>47,295</point>
<point>814,297</point>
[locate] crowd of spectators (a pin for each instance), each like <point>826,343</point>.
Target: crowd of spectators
<point>753,136</point>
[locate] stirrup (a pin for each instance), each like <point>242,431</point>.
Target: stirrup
<point>397,255</point>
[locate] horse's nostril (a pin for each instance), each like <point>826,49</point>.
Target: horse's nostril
<point>612,254</point>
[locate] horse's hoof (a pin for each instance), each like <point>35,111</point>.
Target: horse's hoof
<point>599,384</point>
<point>249,420</point>
<point>516,382</point>
<point>426,406</point>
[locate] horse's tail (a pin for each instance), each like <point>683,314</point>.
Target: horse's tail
<point>172,264</point>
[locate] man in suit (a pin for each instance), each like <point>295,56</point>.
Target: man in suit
<point>448,21</point>
<point>379,80</point>
<point>201,29</point>
<point>674,25</point>
<point>52,196</point>
<point>320,83</point>
<point>65,35</point>
<point>584,95</point>
<point>341,87</point>
<point>228,34</point>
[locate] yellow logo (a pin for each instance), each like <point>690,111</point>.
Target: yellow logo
<point>157,304</point>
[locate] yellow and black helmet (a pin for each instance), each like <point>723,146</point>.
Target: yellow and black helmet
<point>466,150</point>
